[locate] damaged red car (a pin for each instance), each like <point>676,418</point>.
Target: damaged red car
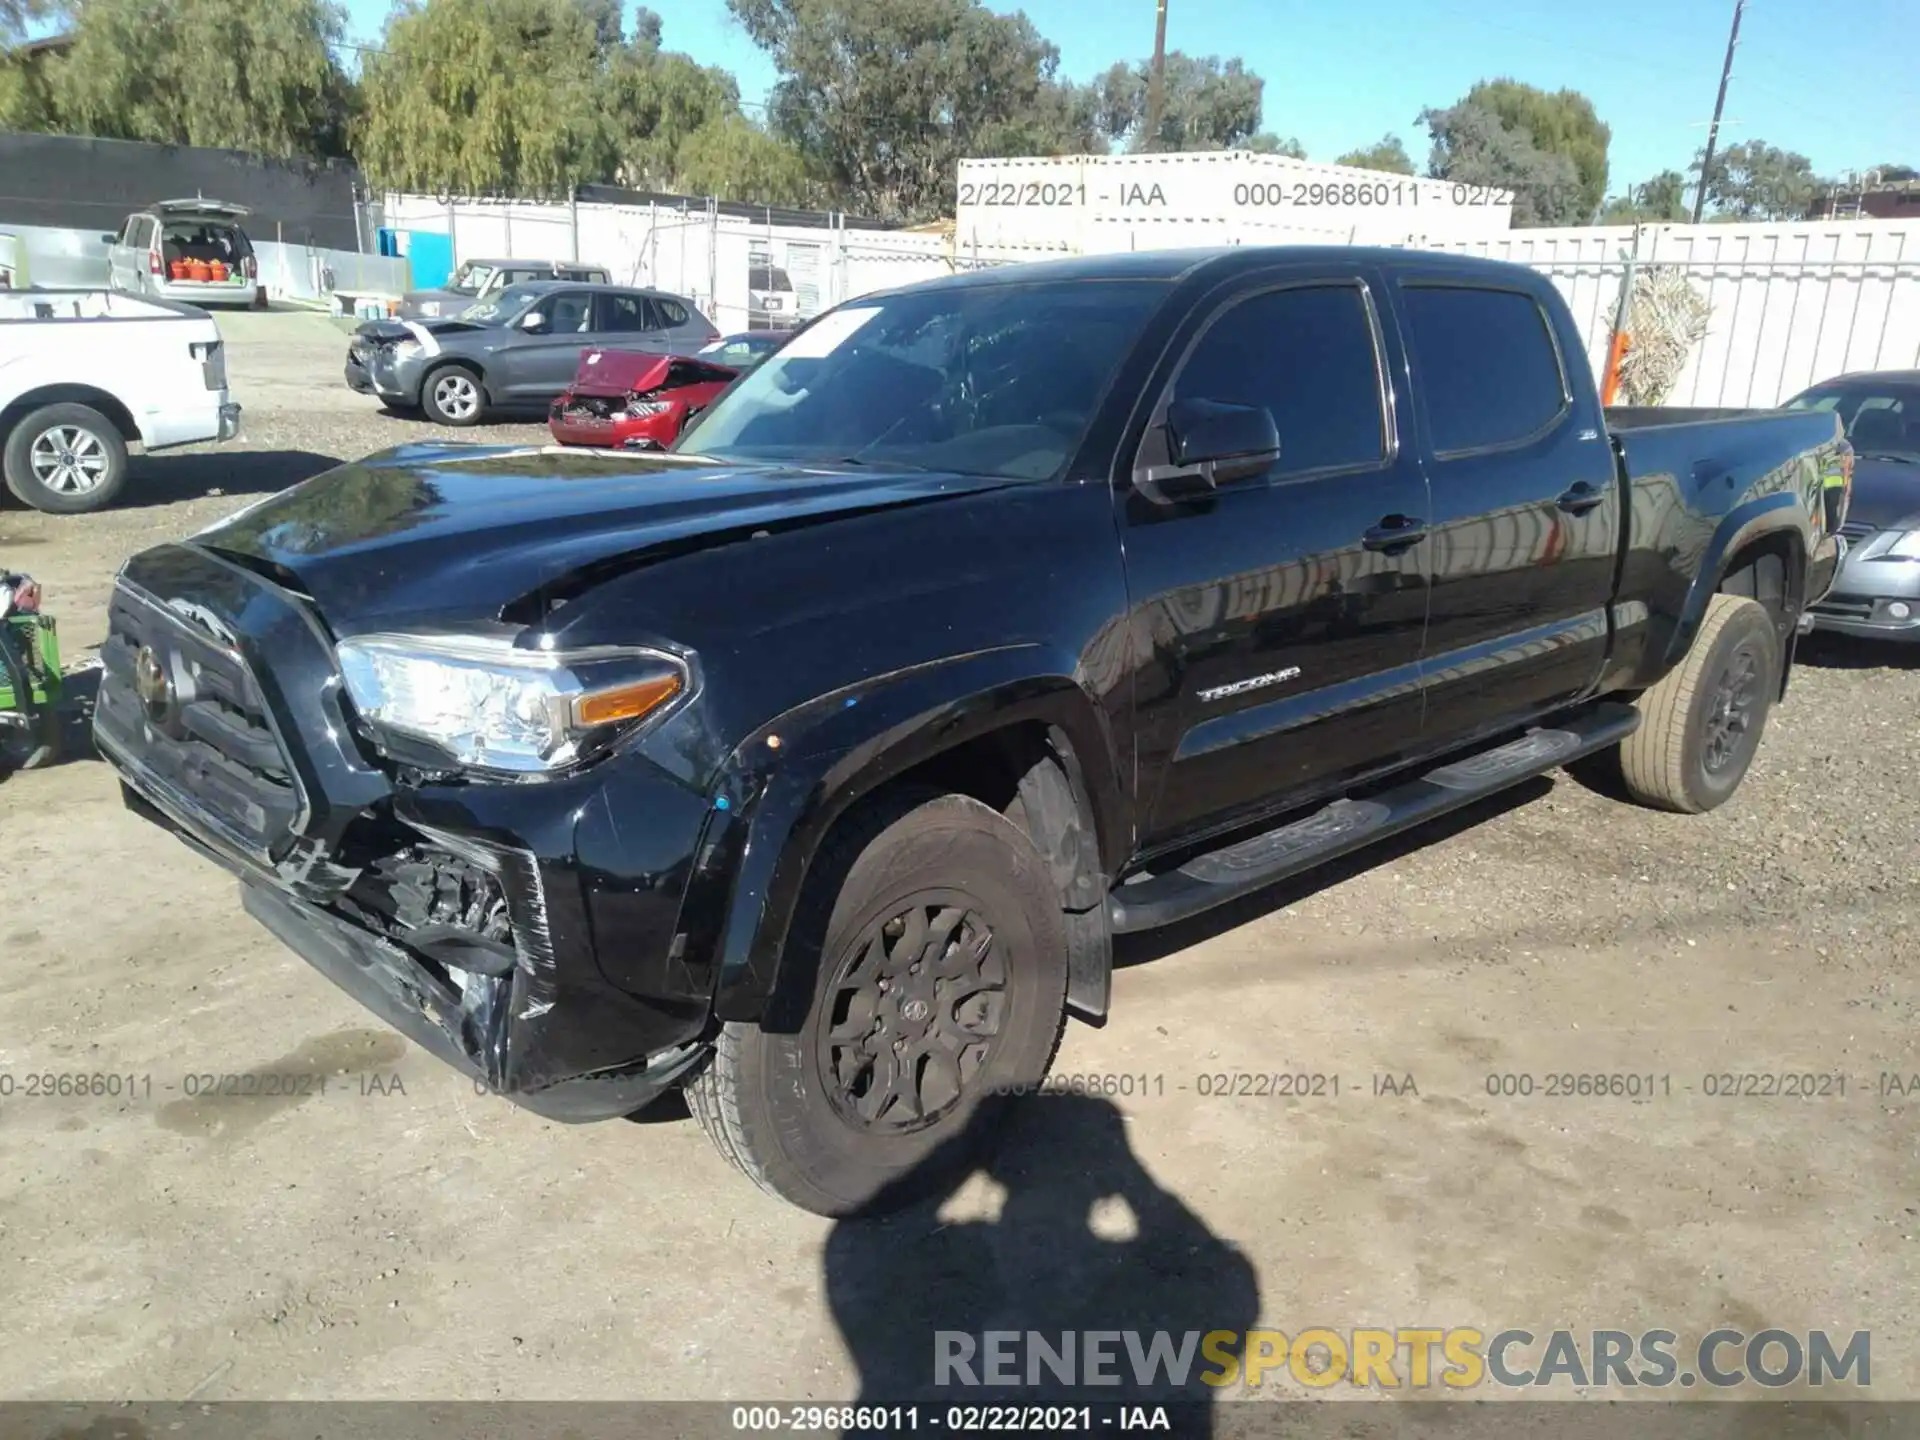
<point>622,399</point>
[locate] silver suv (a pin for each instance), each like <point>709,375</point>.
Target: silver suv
<point>478,280</point>
<point>187,250</point>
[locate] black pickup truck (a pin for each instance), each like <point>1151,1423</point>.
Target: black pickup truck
<point>813,765</point>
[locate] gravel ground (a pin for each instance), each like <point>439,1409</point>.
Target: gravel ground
<point>398,1237</point>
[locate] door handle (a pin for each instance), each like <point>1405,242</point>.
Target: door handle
<point>1394,533</point>
<point>1581,498</point>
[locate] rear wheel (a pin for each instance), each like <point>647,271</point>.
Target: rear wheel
<point>940,988</point>
<point>453,395</point>
<point>1701,725</point>
<point>66,459</point>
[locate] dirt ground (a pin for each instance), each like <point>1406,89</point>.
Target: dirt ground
<point>398,1236</point>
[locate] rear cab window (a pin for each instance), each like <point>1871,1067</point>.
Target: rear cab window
<point>1486,364</point>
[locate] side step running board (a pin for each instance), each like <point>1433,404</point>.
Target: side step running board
<point>1222,875</point>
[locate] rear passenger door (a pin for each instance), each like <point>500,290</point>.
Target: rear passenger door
<point>127,257</point>
<point>1279,619</point>
<point>1526,505</point>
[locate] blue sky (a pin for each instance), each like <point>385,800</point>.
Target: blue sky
<point>1833,80</point>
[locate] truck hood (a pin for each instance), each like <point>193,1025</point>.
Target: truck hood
<point>465,531</point>
<point>1886,495</point>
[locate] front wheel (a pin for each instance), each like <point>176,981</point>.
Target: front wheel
<point>452,395</point>
<point>1701,725</point>
<point>66,459</point>
<point>940,991</point>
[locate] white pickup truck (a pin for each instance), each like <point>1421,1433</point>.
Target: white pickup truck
<point>86,373</point>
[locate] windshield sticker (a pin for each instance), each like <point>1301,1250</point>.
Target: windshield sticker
<point>828,335</point>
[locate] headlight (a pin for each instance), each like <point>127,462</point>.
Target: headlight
<point>640,409</point>
<point>1907,547</point>
<point>407,349</point>
<point>493,706</point>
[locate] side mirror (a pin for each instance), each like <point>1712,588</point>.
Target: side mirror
<point>533,320</point>
<point>110,239</point>
<point>1211,443</point>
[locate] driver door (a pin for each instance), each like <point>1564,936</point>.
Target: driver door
<point>540,363</point>
<point>1279,618</point>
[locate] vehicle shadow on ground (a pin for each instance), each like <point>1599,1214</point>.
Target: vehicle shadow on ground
<point>1085,1240</point>
<point>1148,946</point>
<point>166,479</point>
<point>1826,651</point>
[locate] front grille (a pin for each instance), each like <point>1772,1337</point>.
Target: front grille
<point>184,707</point>
<point>1846,607</point>
<point>1856,530</point>
<point>586,409</point>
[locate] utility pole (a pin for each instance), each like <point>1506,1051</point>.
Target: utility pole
<point>1157,77</point>
<point>1719,104</point>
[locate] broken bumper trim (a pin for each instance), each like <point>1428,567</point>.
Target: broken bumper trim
<point>384,979</point>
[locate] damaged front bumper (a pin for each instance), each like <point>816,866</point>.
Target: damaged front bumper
<point>516,931</point>
<point>389,981</point>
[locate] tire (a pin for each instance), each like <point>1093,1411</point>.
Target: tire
<point>453,395</point>
<point>66,460</point>
<point>770,1102</point>
<point>1701,725</point>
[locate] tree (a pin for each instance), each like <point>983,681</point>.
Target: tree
<point>1757,181</point>
<point>737,160</point>
<point>1473,146</point>
<point>1386,153</point>
<point>1267,143</point>
<point>488,97</point>
<point>254,75</point>
<point>1659,201</point>
<point>1208,104</point>
<point>1560,123</point>
<point>1895,174</point>
<point>657,100</point>
<point>883,97</point>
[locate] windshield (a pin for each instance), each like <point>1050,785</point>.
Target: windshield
<point>498,308</point>
<point>470,279</point>
<point>985,379</point>
<point>1883,422</point>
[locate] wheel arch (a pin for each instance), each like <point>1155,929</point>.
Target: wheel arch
<point>70,393</point>
<point>1773,525</point>
<point>1031,745</point>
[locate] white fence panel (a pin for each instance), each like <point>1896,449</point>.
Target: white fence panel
<point>1788,304</point>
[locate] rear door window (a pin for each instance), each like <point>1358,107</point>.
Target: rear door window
<point>623,313</point>
<point>1485,364</point>
<point>1307,355</point>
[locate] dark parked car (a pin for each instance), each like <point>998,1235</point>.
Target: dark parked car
<point>517,349</point>
<point>477,280</point>
<point>745,350</point>
<point>1877,594</point>
<point>815,764</point>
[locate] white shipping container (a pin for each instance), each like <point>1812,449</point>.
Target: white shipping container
<point>1107,202</point>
